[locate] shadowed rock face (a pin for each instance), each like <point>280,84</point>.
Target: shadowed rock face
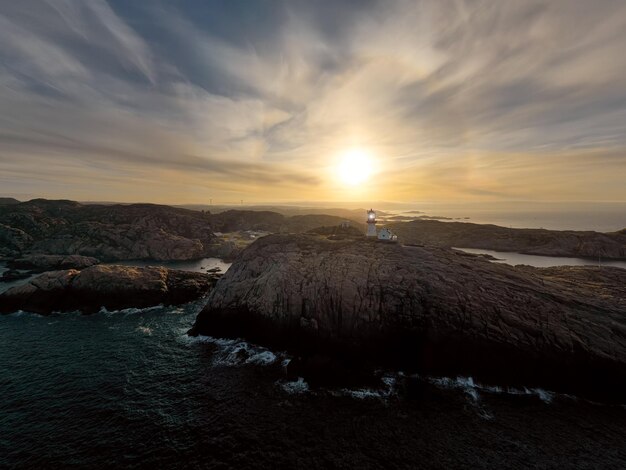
<point>112,287</point>
<point>13,240</point>
<point>429,309</point>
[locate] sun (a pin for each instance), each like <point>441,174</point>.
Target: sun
<point>355,166</point>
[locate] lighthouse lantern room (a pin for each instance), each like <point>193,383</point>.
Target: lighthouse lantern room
<point>371,223</point>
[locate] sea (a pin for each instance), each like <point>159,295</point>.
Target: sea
<point>130,389</point>
<point>598,216</point>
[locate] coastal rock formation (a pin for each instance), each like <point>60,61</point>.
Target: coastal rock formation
<point>14,275</point>
<point>339,232</point>
<point>269,221</point>
<point>430,309</point>
<point>134,231</point>
<point>41,262</point>
<point>577,244</point>
<point>112,287</point>
<point>107,232</point>
<point>13,240</point>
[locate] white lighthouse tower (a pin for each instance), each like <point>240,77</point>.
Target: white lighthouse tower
<point>371,223</point>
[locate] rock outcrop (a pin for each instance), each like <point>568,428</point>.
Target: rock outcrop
<point>269,221</point>
<point>112,287</point>
<point>571,243</point>
<point>429,309</point>
<point>13,241</point>
<point>106,232</point>
<point>41,262</point>
<point>339,232</point>
<point>134,231</point>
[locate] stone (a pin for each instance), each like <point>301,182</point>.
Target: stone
<point>542,242</point>
<point>110,286</point>
<point>42,262</point>
<point>428,309</point>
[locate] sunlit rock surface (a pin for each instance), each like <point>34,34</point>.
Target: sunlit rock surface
<point>429,309</point>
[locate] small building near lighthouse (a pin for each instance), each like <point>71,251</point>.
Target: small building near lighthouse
<point>387,235</point>
<point>371,223</point>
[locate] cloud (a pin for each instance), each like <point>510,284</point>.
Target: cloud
<point>456,99</point>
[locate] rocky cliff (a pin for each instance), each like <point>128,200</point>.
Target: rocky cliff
<point>113,232</point>
<point>577,244</point>
<point>429,309</point>
<point>235,220</point>
<point>112,287</point>
<point>134,231</point>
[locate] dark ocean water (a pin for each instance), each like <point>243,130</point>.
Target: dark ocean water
<point>128,389</point>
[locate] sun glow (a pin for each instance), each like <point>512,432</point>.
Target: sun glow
<point>354,167</point>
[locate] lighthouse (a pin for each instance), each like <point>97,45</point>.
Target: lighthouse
<point>371,223</point>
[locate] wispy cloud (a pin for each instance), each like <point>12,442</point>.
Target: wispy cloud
<point>458,99</point>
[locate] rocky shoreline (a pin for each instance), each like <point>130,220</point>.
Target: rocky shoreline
<point>26,266</point>
<point>345,304</point>
<point>112,287</point>
<point>529,241</point>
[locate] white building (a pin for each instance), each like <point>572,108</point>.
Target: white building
<point>387,235</point>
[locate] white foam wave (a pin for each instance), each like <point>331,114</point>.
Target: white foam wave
<point>145,330</point>
<point>236,352</point>
<point>388,389</point>
<point>472,389</point>
<point>295,387</point>
<point>263,358</point>
<point>22,313</point>
<point>130,310</point>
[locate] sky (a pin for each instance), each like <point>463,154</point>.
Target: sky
<point>191,101</point>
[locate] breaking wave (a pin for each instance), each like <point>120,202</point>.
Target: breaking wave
<point>132,310</point>
<point>236,352</point>
<point>473,389</point>
<point>294,387</point>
